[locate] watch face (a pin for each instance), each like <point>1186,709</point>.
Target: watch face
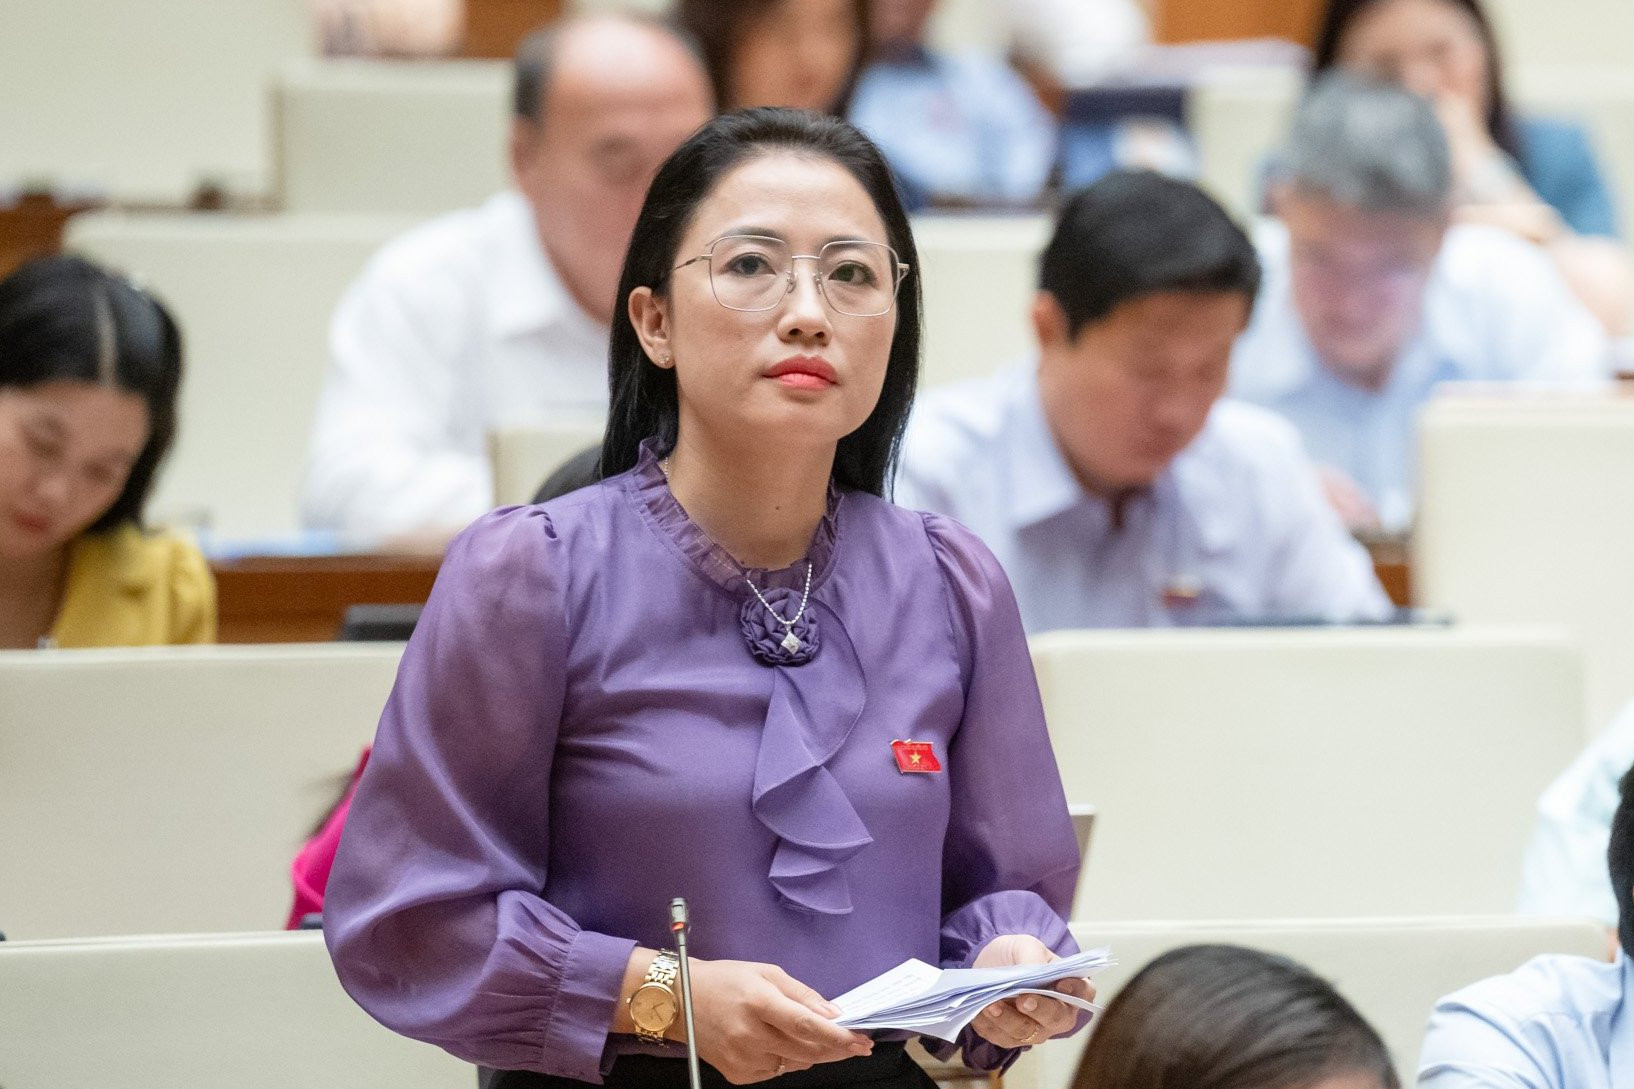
<point>653,1008</point>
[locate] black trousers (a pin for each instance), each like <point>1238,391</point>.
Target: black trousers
<point>887,1068</point>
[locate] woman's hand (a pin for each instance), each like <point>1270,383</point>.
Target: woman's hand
<point>1029,1018</point>
<point>755,1021</point>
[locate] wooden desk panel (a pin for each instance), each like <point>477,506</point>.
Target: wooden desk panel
<point>493,28</point>
<point>304,599</point>
<point>277,599</point>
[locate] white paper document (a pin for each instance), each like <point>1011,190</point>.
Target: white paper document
<point>922,998</point>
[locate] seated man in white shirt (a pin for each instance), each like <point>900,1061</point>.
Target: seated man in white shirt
<point>1109,479</point>
<point>1372,297</point>
<point>1557,1022</point>
<point>498,315</point>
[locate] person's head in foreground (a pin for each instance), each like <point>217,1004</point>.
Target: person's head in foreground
<point>1142,291</point>
<point>90,367</point>
<point>1364,189</point>
<point>1444,50</point>
<point>770,301</point>
<point>1620,863</point>
<point>1228,1017</point>
<point>599,102</point>
<point>803,54</point>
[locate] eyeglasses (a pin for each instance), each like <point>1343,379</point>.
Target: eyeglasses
<point>751,272</point>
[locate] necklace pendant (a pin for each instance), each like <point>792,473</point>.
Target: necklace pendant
<point>791,643</point>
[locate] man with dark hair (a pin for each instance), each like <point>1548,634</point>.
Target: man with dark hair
<point>1112,484</point>
<point>1557,1022</point>
<point>498,315</point>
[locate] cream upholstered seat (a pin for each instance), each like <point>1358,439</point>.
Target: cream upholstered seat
<point>142,102</point>
<point>1526,510</point>
<point>1250,773</point>
<point>168,789</point>
<point>255,1011</point>
<point>377,136</point>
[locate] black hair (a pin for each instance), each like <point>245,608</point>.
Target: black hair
<point>718,26</point>
<point>643,398</point>
<point>1229,1017</point>
<point>62,317</point>
<point>1135,232</point>
<point>1341,14</point>
<point>1620,863</point>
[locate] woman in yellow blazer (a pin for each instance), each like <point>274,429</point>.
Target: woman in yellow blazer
<point>89,372</point>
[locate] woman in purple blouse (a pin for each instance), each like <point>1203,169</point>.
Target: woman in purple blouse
<point>729,671</point>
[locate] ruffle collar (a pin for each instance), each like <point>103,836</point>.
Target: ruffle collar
<point>819,690</point>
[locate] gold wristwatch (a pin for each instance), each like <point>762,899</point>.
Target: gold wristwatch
<point>654,1005</point>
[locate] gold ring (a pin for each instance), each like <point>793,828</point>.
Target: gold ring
<point>782,1065</point>
<point>1031,1036</point>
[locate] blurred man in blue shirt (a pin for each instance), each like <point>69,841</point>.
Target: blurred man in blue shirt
<point>1372,297</point>
<point>1110,481</point>
<point>958,128</point>
<point>1558,1022</point>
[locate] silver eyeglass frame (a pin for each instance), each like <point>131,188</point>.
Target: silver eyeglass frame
<point>902,270</point>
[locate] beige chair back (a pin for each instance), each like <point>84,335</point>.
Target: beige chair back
<point>142,102</point>
<point>1526,508</point>
<point>979,275</point>
<point>254,1011</point>
<point>1393,969</point>
<point>394,137</point>
<point>1237,774</point>
<point>524,456</point>
<point>253,296</point>
<point>169,789</point>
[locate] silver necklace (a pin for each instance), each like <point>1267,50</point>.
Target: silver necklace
<point>790,641</point>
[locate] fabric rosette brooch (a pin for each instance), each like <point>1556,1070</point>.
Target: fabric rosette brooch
<point>779,629</point>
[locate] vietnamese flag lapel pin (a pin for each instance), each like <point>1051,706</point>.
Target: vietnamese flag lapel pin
<point>914,757</point>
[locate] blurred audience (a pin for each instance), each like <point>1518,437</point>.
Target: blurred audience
<point>807,54</point>
<point>1079,43</point>
<point>1372,298</point>
<point>389,28</point>
<point>1558,1021</point>
<point>498,315</point>
<point>90,368</point>
<point>1112,483</point>
<point>1565,870</point>
<point>1228,1017</point>
<point>958,129</point>
<point>1535,177</point>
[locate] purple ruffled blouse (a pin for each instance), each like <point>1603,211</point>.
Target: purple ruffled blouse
<point>596,715</point>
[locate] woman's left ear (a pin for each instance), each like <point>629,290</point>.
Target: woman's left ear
<point>649,316</point>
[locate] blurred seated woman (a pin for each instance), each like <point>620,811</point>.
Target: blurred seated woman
<point>1227,1017</point>
<point>89,372</point>
<point>806,54</point>
<point>1537,177</point>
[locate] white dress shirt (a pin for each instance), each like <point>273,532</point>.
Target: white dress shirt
<point>1494,309</point>
<point>1234,531</point>
<point>1558,1022</point>
<point>1565,869</point>
<point>456,328</point>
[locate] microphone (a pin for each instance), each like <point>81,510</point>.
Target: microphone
<point>678,926</point>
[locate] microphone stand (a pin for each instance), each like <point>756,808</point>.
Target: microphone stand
<point>678,926</point>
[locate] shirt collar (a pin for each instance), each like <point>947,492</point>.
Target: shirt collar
<point>1041,483</point>
<point>526,294</point>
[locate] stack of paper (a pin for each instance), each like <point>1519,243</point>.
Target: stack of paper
<point>932,1001</point>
